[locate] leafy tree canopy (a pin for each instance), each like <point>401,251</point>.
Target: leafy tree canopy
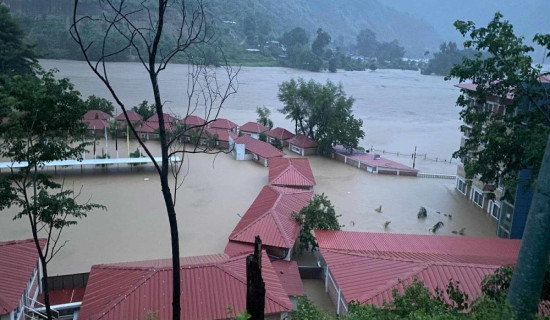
<point>263,117</point>
<point>322,112</point>
<point>515,137</point>
<point>320,215</point>
<point>145,109</point>
<point>448,56</point>
<point>296,36</point>
<point>96,103</point>
<point>389,52</point>
<point>321,41</point>
<point>367,43</point>
<point>15,55</point>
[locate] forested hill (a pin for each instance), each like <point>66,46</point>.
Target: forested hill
<point>342,19</point>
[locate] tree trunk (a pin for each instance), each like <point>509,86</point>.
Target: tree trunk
<point>45,288</point>
<point>526,286</point>
<point>255,286</point>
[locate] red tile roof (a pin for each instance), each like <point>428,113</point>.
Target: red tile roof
<point>193,121</point>
<point>234,248</point>
<point>270,216</point>
<point>291,172</point>
<point>209,285</point>
<point>369,159</point>
<point>167,118</point>
<point>153,126</point>
<point>132,115</point>
<point>303,141</point>
<point>96,124</point>
<point>367,266</point>
<point>253,127</point>
<point>96,114</point>
<point>18,260</point>
<point>223,124</point>
<point>280,133</point>
<point>261,148</point>
<point>223,134</point>
<point>290,277</point>
<point>62,296</point>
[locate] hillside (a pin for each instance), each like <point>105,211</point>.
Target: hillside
<point>343,19</point>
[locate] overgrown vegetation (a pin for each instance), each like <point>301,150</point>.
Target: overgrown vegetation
<point>319,214</point>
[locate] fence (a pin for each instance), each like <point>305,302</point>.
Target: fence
<point>419,156</point>
<point>436,175</point>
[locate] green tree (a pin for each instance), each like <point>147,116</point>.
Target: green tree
<point>144,109</point>
<point>296,36</point>
<point>322,112</point>
<point>448,56</point>
<point>367,43</point>
<point>96,103</point>
<point>43,125</point>
<point>389,52</point>
<point>16,57</point>
<point>263,117</point>
<point>318,215</point>
<point>321,41</point>
<point>504,143</point>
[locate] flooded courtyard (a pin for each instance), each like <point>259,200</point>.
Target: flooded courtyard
<point>218,189</point>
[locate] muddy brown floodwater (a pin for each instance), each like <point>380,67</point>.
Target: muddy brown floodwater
<point>400,109</point>
<point>215,190</point>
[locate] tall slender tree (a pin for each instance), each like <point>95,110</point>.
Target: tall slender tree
<point>142,26</point>
<point>43,119</point>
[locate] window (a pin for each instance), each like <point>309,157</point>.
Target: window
<point>495,209</point>
<point>295,149</point>
<point>461,186</point>
<point>477,197</point>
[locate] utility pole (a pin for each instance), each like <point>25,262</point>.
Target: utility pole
<point>255,286</point>
<point>414,157</point>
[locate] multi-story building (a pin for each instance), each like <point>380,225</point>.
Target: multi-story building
<point>511,214</point>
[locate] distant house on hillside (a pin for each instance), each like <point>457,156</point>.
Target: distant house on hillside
<point>364,266</point>
<point>291,172</point>
<point>271,217</point>
<point>279,134</point>
<point>302,145</point>
<point>213,284</point>
<point>20,279</point>
<point>252,129</point>
<point>247,148</point>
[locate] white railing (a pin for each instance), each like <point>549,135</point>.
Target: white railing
<point>436,175</point>
<point>38,310</point>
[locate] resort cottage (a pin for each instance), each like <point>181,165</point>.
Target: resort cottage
<point>252,129</point>
<point>302,145</point>
<point>291,172</point>
<point>372,163</point>
<point>365,267</point>
<point>20,279</point>
<point>225,124</point>
<point>215,288</point>
<point>280,134</point>
<point>271,217</point>
<point>149,129</point>
<point>247,148</point>
<point>135,119</point>
<point>192,125</point>
<point>221,137</point>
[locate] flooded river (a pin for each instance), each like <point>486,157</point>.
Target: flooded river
<point>401,109</point>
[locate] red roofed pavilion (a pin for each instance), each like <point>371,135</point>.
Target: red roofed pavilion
<point>224,124</point>
<point>366,267</point>
<point>211,284</point>
<point>132,115</point>
<point>271,217</point>
<point>248,148</point>
<point>302,145</point>
<point>291,172</point>
<point>279,134</point>
<point>253,129</point>
<point>96,114</point>
<point>193,121</point>
<point>19,277</point>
